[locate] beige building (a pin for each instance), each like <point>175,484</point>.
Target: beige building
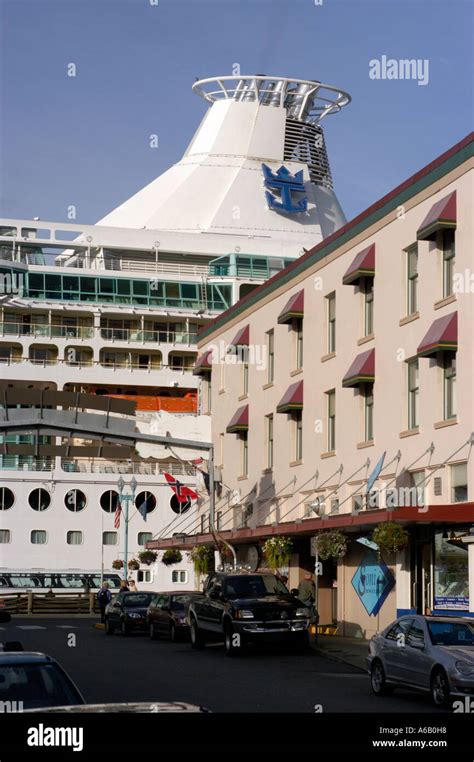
<point>341,398</point>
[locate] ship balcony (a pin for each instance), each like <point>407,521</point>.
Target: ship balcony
<point>154,335</point>
<point>143,468</point>
<point>46,330</point>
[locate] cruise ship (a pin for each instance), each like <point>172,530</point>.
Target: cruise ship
<point>113,310</point>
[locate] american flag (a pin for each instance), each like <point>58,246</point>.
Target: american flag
<point>118,511</point>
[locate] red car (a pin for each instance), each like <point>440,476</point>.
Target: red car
<point>167,615</point>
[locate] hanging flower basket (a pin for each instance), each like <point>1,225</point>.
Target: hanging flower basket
<point>171,556</point>
<point>147,557</point>
<point>133,564</point>
<point>277,551</point>
<point>117,564</point>
<point>202,557</point>
<point>390,537</point>
<point>330,543</point>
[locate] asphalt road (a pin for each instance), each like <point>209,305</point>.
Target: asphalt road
<point>115,668</point>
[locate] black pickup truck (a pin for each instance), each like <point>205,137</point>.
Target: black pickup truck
<point>240,608</point>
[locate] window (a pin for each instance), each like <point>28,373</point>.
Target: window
<point>334,505</point>
<point>368,306</point>
<point>331,309</point>
<point>459,483</point>
<point>399,631</point>
<point>413,393</point>
<point>145,500</point>
<point>369,413</point>
<point>6,498</point>
<point>178,507</point>
<point>179,576</point>
<point>39,499</point>
<point>38,537</point>
<point>208,383</point>
<point>331,415</point>
<point>75,500</point>
<point>109,501</point>
<point>298,437</point>
<point>447,247</point>
<point>412,280</point>
<point>244,453</point>
<point>74,537</point>
<point>449,386</point>
<point>416,635</point>
<point>357,503</point>
<point>143,575</point>
<point>271,356</point>
<point>109,538</point>
<point>144,537</point>
<point>245,378</point>
<point>298,323</point>
<point>5,536</point>
<point>269,440</point>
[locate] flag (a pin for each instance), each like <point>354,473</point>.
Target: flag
<point>182,492</point>
<point>142,509</point>
<point>375,473</point>
<point>118,511</point>
<point>205,477</point>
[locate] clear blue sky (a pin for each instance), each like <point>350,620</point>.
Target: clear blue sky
<point>84,140</point>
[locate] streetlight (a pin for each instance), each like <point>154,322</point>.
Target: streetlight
<point>126,499</point>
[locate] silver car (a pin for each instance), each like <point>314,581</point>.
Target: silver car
<point>428,653</point>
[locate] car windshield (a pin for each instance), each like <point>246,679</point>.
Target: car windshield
<point>254,586</point>
<point>36,685</point>
<point>451,633</point>
<point>137,600</point>
<point>180,602</point>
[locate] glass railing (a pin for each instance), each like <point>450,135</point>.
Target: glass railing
<point>25,463</point>
<point>88,363</point>
<point>48,331</point>
<point>156,336</point>
<point>80,465</point>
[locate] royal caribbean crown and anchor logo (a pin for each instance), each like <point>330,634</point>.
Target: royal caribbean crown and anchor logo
<point>284,184</point>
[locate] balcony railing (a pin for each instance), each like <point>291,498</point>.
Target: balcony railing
<point>87,332</point>
<point>25,463</point>
<point>47,331</point>
<point>84,466</point>
<point>112,365</point>
<point>156,336</point>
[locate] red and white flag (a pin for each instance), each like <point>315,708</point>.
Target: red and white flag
<point>182,492</point>
<point>118,511</point>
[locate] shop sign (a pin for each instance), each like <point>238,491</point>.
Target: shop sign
<point>372,582</point>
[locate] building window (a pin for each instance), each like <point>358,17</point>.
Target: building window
<point>179,507</point>
<point>357,503</point>
<point>244,453</point>
<point>271,356</point>
<point>74,537</point>
<point>209,394</point>
<point>6,498</point>
<point>449,386</point>
<point>298,324</point>
<point>109,538</point>
<point>369,413</point>
<point>144,537</point>
<point>413,393</point>
<point>447,247</point>
<point>145,501</point>
<point>75,500</point>
<point>298,436</point>
<point>39,499</point>
<point>179,577</point>
<point>334,505</point>
<point>269,440</point>
<point>331,312</point>
<point>38,537</point>
<point>368,306</point>
<point>412,280</point>
<point>109,501</point>
<point>331,416</point>
<point>143,575</point>
<point>459,483</point>
<point>245,378</point>
<point>5,536</point>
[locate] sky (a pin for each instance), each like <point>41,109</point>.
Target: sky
<point>84,141</point>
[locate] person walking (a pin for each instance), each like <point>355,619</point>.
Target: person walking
<point>132,586</point>
<point>307,595</point>
<point>103,598</point>
<point>124,588</point>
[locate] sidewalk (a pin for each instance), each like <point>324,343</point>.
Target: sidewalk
<point>351,651</point>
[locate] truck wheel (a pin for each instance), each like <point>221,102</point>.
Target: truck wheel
<point>197,640</point>
<point>233,641</point>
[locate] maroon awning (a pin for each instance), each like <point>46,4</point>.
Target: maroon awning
<point>239,421</point>
<point>363,266</point>
<point>362,370</point>
<point>441,215</point>
<point>241,339</point>
<point>293,309</point>
<point>203,363</point>
<point>292,399</point>
<point>442,336</point>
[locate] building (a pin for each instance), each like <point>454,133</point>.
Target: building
<point>342,399</point>
<point>113,309</point>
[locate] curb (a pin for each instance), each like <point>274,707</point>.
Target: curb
<point>99,626</point>
<point>340,659</point>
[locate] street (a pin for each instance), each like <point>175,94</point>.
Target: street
<point>114,668</point>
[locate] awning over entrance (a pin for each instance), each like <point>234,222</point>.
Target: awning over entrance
<point>239,421</point>
<point>441,215</point>
<point>293,309</point>
<point>292,399</point>
<point>363,266</point>
<point>362,370</point>
<point>442,336</point>
<point>203,364</point>
<point>241,339</point>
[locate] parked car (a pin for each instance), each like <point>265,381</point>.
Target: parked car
<point>167,615</point>
<point>36,680</point>
<point>433,654</point>
<point>127,612</point>
<point>241,608</point>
